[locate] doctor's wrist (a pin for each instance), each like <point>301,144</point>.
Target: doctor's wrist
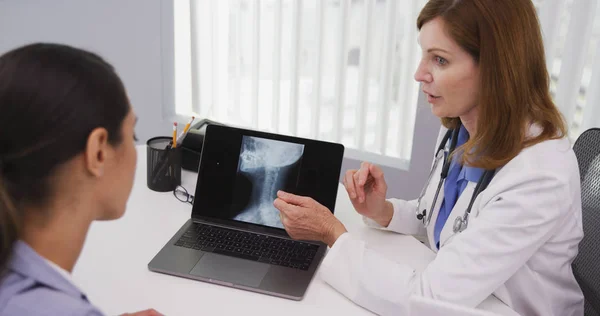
<point>384,217</point>
<point>334,231</point>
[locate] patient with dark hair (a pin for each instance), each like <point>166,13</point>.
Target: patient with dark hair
<point>67,158</point>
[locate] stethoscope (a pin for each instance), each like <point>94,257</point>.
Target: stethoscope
<point>461,222</point>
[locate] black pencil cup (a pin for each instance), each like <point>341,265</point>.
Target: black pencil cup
<point>163,164</point>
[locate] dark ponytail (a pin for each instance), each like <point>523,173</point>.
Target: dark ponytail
<point>51,97</point>
<point>9,224</point>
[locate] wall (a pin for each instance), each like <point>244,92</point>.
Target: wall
<point>127,33</point>
<point>136,37</point>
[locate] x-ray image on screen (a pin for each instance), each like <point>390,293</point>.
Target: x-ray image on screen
<point>265,166</point>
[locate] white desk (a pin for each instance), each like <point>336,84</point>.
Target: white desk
<point>112,269</point>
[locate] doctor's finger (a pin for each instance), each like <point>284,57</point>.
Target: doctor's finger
<point>360,179</point>
<point>349,183</point>
<point>359,189</point>
<point>294,199</point>
<point>283,206</point>
<point>363,173</point>
<point>376,173</point>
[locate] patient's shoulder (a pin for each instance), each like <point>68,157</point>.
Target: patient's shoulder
<point>23,296</point>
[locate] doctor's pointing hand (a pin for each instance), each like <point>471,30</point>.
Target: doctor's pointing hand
<point>306,219</point>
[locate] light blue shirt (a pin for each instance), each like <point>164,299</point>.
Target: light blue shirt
<point>32,287</point>
<point>456,182</point>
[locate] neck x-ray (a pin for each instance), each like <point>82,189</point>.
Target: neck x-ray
<point>265,166</point>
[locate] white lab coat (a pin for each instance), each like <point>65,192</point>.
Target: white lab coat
<point>521,239</point>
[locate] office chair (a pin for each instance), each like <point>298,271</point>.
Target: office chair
<point>585,266</point>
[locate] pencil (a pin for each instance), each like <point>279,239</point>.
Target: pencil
<point>185,130</point>
<point>187,126</point>
<point>175,135</point>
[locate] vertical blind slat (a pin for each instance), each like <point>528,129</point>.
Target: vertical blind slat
<point>385,94</point>
<point>276,64</point>
<point>573,58</point>
<point>221,102</point>
<point>255,60</point>
<point>591,110</point>
<point>316,104</point>
<point>363,78</point>
<point>296,27</point>
<point>237,55</point>
<point>340,89</point>
<point>549,16</point>
<point>408,91</point>
<point>196,90</point>
<point>214,84</point>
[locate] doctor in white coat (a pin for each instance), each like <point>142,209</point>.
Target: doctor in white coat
<point>483,71</point>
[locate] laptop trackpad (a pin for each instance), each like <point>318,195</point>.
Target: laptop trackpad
<point>230,269</point>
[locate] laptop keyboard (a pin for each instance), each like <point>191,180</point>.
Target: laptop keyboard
<point>250,246</point>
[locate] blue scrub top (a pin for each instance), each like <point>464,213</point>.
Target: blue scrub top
<point>456,182</point>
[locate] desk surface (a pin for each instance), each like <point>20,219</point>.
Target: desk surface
<point>112,269</point>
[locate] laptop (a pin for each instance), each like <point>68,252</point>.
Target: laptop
<point>235,236</point>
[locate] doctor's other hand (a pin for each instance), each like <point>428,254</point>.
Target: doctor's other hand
<point>366,188</point>
<point>148,312</point>
<point>306,219</point>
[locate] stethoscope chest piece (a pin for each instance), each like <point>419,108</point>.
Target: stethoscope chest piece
<point>460,224</point>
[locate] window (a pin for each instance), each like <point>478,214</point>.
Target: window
<point>571,30</point>
<point>336,70</point>
<point>342,70</point>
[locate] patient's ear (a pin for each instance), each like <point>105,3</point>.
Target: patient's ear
<point>96,151</point>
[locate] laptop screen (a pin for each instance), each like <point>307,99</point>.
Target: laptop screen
<point>241,171</point>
